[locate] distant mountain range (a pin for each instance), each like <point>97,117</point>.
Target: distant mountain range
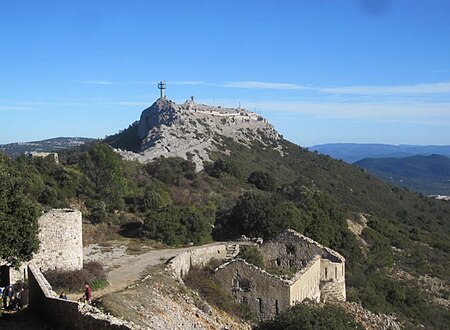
<point>352,152</point>
<point>425,174</point>
<point>16,149</point>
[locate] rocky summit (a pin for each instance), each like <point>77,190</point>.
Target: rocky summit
<point>192,131</point>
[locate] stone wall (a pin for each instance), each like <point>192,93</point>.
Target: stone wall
<point>306,283</point>
<point>319,275</point>
<point>293,250</point>
<point>61,242</point>
<point>332,276</point>
<point>67,314</point>
<point>182,263</point>
<point>266,294</point>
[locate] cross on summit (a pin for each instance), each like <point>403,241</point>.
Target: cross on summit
<point>162,87</point>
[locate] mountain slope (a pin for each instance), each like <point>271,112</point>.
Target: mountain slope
<point>17,149</point>
<point>352,152</point>
<point>426,174</point>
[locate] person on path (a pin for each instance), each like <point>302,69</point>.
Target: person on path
<point>8,296</point>
<point>88,293</point>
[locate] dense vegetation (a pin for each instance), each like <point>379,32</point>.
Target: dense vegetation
<point>257,192</point>
<point>18,216</point>
<point>311,316</point>
<point>425,174</point>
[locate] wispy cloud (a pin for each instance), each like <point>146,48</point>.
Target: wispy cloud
<point>187,82</point>
<point>14,108</point>
<point>415,89</point>
<point>425,113</point>
<point>263,85</point>
<point>433,88</point>
<point>95,82</point>
<point>132,103</point>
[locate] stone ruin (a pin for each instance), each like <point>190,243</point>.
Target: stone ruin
<point>307,270</point>
<point>61,245</point>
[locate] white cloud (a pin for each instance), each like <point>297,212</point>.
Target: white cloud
<point>95,82</point>
<point>263,85</point>
<point>14,108</point>
<point>186,82</point>
<point>133,104</point>
<point>425,113</point>
<point>433,88</point>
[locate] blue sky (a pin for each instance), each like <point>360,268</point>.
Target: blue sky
<point>321,71</point>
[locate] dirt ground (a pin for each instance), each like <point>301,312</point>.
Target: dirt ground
<point>123,268</point>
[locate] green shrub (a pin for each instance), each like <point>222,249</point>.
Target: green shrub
<point>310,316</point>
<point>252,255</point>
<point>73,280</point>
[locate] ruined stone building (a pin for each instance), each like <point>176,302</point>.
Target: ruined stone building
<point>308,270</point>
<point>52,156</point>
<point>61,245</point>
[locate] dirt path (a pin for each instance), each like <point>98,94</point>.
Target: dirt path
<point>123,270</point>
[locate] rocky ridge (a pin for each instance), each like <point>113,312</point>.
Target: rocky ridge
<point>192,131</point>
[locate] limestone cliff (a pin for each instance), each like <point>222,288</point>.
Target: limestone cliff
<point>192,131</point>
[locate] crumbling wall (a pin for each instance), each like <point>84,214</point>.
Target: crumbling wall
<point>293,250</point>
<point>67,314</point>
<point>182,263</point>
<point>266,294</point>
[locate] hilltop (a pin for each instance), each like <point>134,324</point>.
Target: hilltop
<point>190,131</point>
<point>17,149</point>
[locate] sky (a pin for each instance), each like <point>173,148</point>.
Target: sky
<point>321,71</point>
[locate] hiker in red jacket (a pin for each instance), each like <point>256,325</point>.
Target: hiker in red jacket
<point>88,293</point>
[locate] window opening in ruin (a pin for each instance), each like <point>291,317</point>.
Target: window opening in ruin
<point>278,262</point>
<point>4,275</point>
<point>277,308</point>
<point>241,284</point>
<point>290,263</point>
<point>326,272</point>
<point>244,284</point>
<point>260,306</point>
<point>290,248</point>
<point>335,272</point>
<point>235,282</point>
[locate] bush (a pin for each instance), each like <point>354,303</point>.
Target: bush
<point>171,170</point>
<point>253,256</point>
<point>176,225</point>
<point>262,180</point>
<point>73,280</point>
<point>311,316</point>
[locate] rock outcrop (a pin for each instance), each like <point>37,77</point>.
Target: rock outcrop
<point>192,131</point>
